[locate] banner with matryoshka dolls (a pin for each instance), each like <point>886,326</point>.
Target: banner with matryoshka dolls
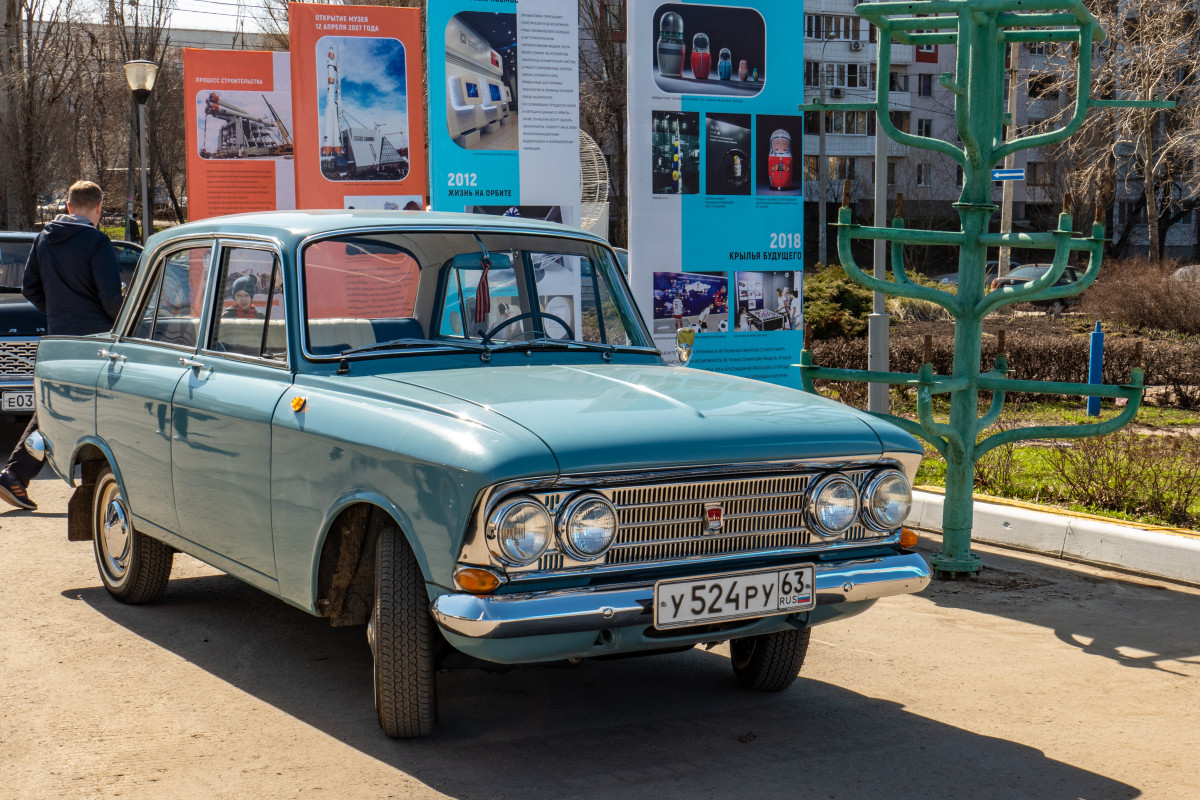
<point>715,198</point>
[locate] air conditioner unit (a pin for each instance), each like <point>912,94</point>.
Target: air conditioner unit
<point>856,45</point>
<point>835,92</point>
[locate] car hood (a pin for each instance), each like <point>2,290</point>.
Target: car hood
<point>595,418</point>
<point>18,317</point>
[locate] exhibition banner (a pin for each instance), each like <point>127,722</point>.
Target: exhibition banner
<point>238,113</point>
<point>360,118</point>
<point>715,201</point>
<point>504,107</point>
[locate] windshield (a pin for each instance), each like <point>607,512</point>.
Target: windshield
<point>374,291</point>
<point>1029,272</point>
<point>13,255</point>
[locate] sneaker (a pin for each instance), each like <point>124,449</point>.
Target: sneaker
<point>13,493</point>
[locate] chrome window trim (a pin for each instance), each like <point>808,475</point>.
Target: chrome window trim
<point>129,307</point>
<point>474,552</point>
<point>468,228</point>
<point>126,319</point>
<point>272,246</point>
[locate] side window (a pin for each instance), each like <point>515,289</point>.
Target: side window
<point>249,318</point>
<point>171,312</point>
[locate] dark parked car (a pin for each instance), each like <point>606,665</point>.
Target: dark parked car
<point>1031,272</point>
<point>992,267</point>
<point>22,325</point>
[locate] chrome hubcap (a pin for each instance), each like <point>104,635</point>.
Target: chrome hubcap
<point>115,533</point>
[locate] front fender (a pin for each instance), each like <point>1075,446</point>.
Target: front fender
<point>379,500</point>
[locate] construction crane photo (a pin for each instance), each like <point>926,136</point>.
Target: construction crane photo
<point>242,134</point>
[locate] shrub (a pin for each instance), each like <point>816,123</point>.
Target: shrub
<point>834,305</point>
<point>1141,294</point>
<point>1134,474</point>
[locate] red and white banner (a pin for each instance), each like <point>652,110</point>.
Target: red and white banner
<point>238,107</point>
<point>359,106</point>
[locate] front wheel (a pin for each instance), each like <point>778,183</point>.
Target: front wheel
<point>770,662</point>
<point>135,568</point>
<point>402,638</point>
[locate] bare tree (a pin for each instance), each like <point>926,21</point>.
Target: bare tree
<point>1145,154</point>
<point>602,99</point>
<point>37,74</point>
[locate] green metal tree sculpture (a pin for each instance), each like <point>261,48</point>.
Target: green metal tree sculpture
<point>981,30</point>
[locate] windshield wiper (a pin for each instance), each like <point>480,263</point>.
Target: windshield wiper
<point>410,342</point>
<point>566,344</point>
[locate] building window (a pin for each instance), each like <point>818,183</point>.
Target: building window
<point>924,178</point>
<point>958,176</point>
<point>1041,86</point>
<point>1039,48</point>
<point>1038,173</point>
<point>891,173</point>
<point>927,48</point>
<point>898,82</point>
<point>812,122</point>
<point>812,73</point>
<point>841,168</point>
<point>853,123</point>
<point>925,85</point>
<point>829,26</point>
<point>900,120</point>
<point>925,127</point>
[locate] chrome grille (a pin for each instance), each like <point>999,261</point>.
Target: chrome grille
<point>16,359</point>
<point>665,522</point>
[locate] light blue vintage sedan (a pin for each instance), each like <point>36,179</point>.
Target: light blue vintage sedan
<point>455,430</point>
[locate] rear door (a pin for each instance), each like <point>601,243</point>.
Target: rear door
<point>221,454</point>
<point>134,389</point>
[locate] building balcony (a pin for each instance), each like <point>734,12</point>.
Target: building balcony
<point>903,54</point>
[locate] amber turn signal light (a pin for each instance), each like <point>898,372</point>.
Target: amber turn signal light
<point>908,537</point>
<point>476,580</point>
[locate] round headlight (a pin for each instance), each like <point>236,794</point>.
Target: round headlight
<point>888,500</point>
<point>587,527</point>
<point>519,532</point>
<point>833,506</point>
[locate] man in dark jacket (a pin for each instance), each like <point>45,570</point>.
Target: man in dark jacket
<point>72,278</point>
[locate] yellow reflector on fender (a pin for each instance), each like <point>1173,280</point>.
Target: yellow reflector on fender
<point>476,580</point>
<point>908,537</point>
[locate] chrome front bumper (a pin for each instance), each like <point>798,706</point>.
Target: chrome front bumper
<point>574,610</point>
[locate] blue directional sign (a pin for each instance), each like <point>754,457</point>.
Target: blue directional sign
<point>1008,174</point>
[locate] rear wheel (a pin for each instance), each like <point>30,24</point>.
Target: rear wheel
<point>402,637</point>
<point>770,662</point>
<point>135,568</point>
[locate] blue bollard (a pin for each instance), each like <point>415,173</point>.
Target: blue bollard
<point>1095,369</point>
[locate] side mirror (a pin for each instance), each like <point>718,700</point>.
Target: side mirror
<point>685,339</point>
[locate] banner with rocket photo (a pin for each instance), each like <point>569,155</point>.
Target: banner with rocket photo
<point>716,213</point>
<point>238,110</point>
<point>359,115</point>
<point>504,107</point>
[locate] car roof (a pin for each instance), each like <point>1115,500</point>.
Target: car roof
<point>302,224</point>
<point>18,236</point>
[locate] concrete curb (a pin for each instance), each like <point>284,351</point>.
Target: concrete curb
<point>1126,547</point>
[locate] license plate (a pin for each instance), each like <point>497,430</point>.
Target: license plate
<point>16,401</point>
<point>742,595</point>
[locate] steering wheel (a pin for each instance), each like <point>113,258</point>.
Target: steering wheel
<point>487,337</point>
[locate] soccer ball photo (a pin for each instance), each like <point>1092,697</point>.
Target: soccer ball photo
<point>723,326</point>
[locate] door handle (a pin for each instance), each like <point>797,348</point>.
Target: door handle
<point>110,355</point>
<point>188,362</point>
